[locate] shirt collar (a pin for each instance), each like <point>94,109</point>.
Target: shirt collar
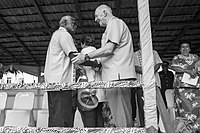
<point>62,28</point>
<point>110,19</point>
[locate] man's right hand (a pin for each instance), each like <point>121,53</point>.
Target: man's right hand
<point>78,59</point>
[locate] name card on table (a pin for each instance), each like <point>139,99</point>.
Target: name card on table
<point>187,79</point>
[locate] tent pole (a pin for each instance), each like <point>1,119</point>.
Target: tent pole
<point>39,74</point>
<point>38,90</point>
<point>149,86</point>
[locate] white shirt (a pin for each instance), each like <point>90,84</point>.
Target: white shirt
<point>58,67</point>
<point>120,65</point>
<point>92,75</point>
<point>138,62</point>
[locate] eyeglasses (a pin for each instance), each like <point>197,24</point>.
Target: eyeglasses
<point>72,22</point>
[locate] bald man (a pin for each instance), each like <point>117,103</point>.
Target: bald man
<point>116,54</point>
<point>58,69</point>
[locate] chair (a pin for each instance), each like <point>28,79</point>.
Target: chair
<point>21,113</point>
<point>43,115</point>
<point>78,120</point>
<point>3,99</point>
<point>45,102</point>
<point>169,94</point>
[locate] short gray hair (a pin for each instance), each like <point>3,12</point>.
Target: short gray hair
<point>64,19</point>
<point>104,7</point>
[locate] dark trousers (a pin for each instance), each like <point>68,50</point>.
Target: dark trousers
<point>137,93</point>
<point>93,118</point>
<point>61,111</point>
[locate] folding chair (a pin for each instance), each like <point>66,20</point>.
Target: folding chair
<point>3,99</point>
<point>21,113</point>
<point>43,115</point>
<point>169,94</point>
<point>78,120</point>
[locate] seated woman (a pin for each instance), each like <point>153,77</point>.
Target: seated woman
<point>184,63</point>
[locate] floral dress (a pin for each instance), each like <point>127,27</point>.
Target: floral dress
<point>187,99</point>
<point>186,63</point>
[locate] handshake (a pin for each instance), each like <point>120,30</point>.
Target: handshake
<point>80,59</point>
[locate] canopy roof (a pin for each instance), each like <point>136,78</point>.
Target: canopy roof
<point>26,26</point>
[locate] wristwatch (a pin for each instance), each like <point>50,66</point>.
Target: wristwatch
<point>87,57</point>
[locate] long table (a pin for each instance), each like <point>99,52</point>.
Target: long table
<point>70,86</point>
<point>69,130</point>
